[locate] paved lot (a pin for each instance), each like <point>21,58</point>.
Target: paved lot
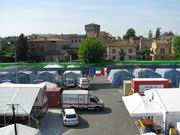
<point>113,120</point>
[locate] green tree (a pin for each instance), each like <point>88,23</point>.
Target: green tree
<point>176,47</point>
<point>144,53</point>
<point>91,50</point>
<point>158,32</point>
<point>150,35</point>
<point>21,48</point>
<point>130,33</point>
<point>168,33</point>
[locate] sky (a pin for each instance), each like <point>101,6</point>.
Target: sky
<point>70,16</point>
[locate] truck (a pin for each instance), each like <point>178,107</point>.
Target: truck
<point>83,83</point>
<point>81,99</point>
<point>140,85</point>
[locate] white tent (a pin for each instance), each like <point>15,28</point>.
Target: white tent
<point>139,106</point>
<point>53,66</point>
<point>156,102</point>
<point>71,74</point>
<point>21,130</point>
<point>50,76</point>
<point>22,94</point>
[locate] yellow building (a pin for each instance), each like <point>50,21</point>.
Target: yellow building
<point>121,50</point>
<point>162,50</point>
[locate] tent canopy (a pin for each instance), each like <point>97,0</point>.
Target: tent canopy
<point>21,130</point>
<point>139,106</point>
<point>145,73</point>
<point>53,66</point>
<point>71,74</point>
<point>49,76</point>
<point>173,76</point>
<point>116,77</point>
<point>22,94</point>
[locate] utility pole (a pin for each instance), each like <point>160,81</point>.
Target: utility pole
<point>14,117</point>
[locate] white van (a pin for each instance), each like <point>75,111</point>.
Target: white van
<point>69,82</point>
<point>81,99</point>
<point>83,83</point>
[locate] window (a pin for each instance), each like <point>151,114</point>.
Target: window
<point>130,57</point>
<point>92,100</point>
<point>162,50</point>
<point>72,41</point>
<point>113,50</point>
<point>114,57</point>
<point>130,50</point>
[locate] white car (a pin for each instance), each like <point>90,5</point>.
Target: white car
<point>70,117</point>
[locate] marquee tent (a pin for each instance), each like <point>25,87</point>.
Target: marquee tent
<point>49,76</point>
<point>145,73</point>
<point>21,130</point>
<point>139,106</point>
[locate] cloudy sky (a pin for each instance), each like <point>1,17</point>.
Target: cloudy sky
<point>70,16</point>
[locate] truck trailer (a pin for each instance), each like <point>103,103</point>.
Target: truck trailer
<point>81,99</point>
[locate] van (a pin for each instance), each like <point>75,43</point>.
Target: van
<point>83,83</point>
<point>81,99</point>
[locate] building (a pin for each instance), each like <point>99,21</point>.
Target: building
<point>121,50</point>
<point>92,30</point>
<point>161,49</point>
<point>53,47</point>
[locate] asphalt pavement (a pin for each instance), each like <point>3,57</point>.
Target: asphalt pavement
<point>113,120</point>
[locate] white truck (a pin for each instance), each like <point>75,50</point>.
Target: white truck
<point>83,83</point>
<point>81,99</point>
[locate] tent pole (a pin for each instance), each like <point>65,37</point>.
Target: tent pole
<point>4,120</point>
<point>29,121</point>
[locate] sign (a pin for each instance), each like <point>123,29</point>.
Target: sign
<point>91,71</point>
<point>143,88</point>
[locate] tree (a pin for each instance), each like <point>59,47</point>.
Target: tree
<point>144,53</point>
<point>21,48</point>
<point>176,47</point>
<point>168,33</point>
<point>158,32</point>
<point>130,33</point>
<point>150,35</point>
<point>91,50</point>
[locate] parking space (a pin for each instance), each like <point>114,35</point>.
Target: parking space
<point>113,120</point>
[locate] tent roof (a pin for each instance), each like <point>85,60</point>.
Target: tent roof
<point>169,97</point>
<point>53,66</point>
<point>21,129</point>
<point>73,71</point>
<point>23,95</point>
<point>139,106</point>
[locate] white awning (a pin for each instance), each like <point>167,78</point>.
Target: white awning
<point>22,95</point>
<point>139,106</point>
<point>21,130</point>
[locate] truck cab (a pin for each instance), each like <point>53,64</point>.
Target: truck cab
<point>95,103</point>
<point>83,83</point>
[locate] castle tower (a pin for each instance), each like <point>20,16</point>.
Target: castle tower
<point>92,30</point>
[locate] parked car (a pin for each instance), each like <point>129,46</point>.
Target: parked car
<point>69,117</point>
